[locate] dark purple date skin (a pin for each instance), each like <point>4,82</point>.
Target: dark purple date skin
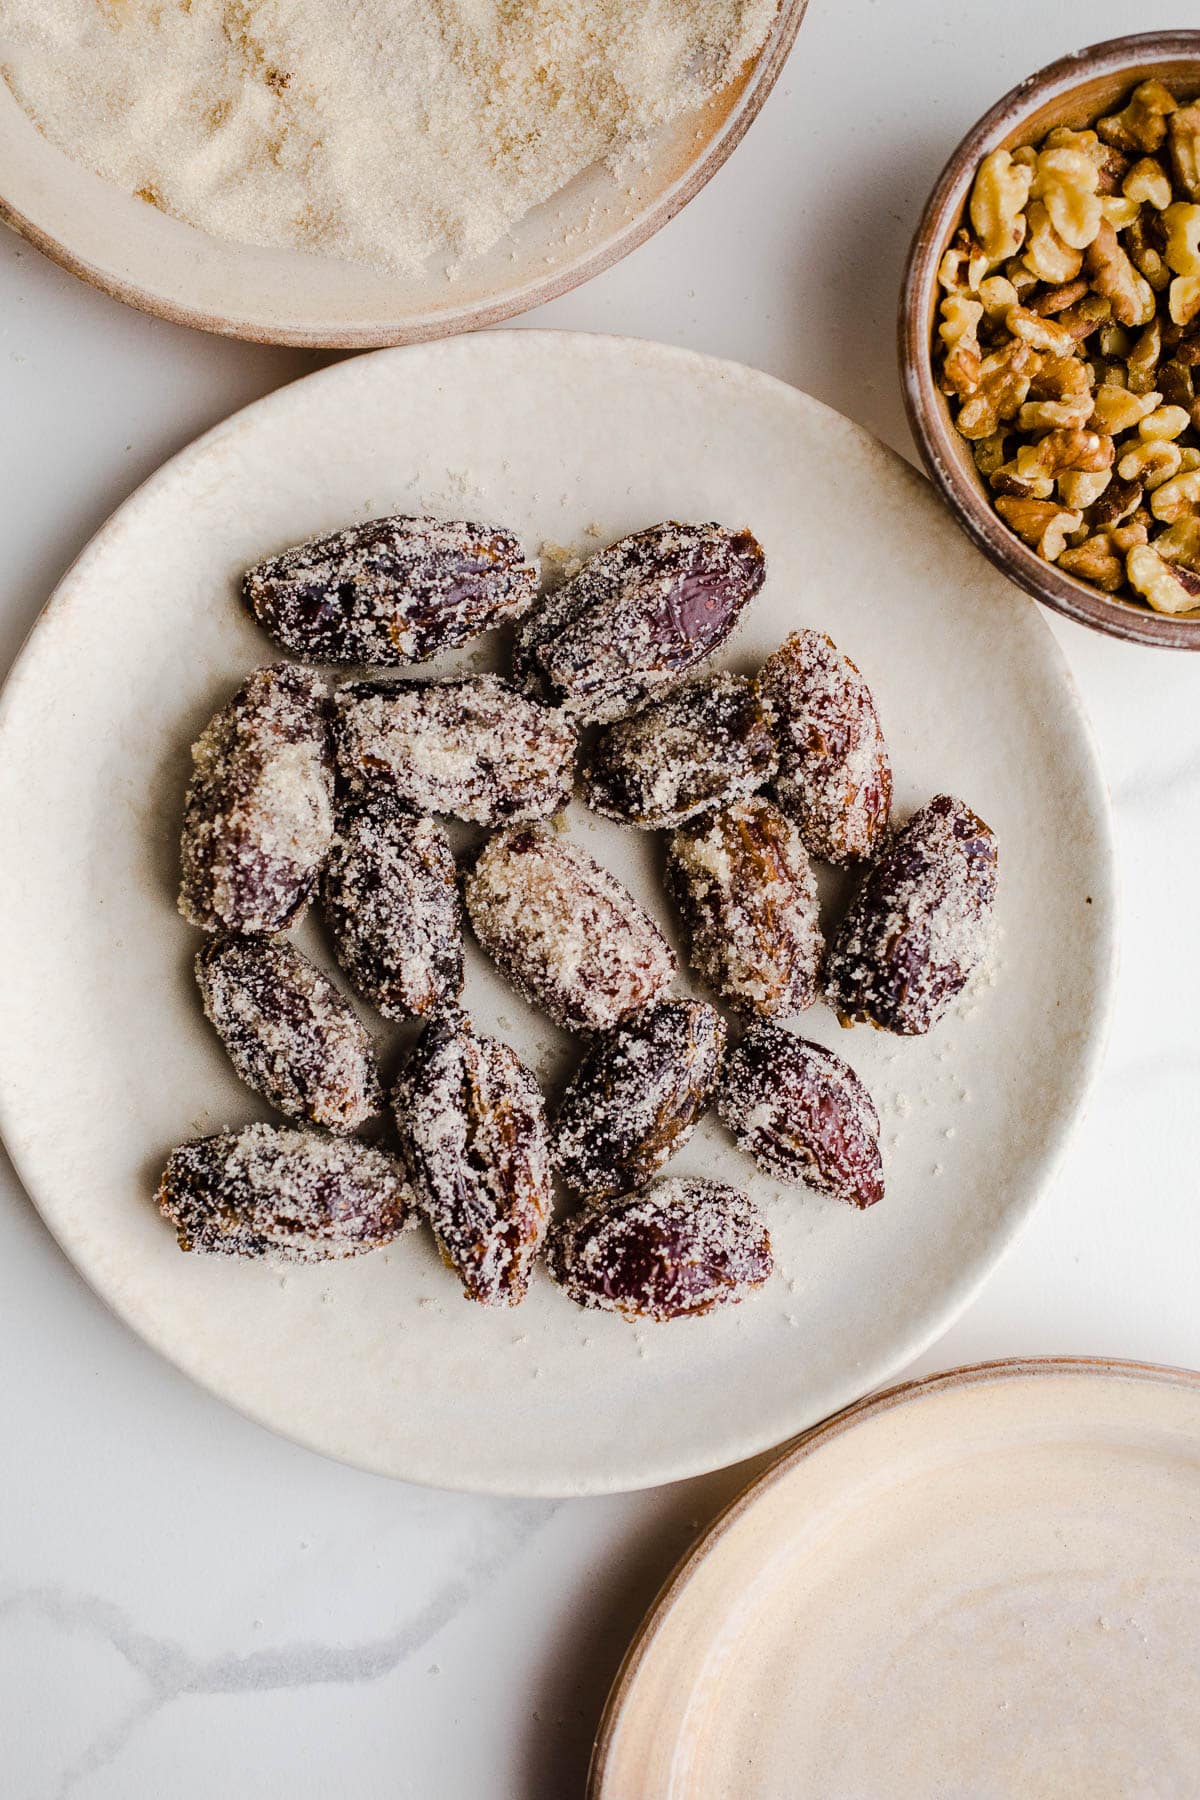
<point>639,617</point>
<point>674,1251</point>
<point>637,1096</point>
<point>704,745</point>
<point>472,1127</point>
<point>918,926</point>
<point>803,1115</point>
<point>391,591</point>
<point>834,777</point>
<point>258,817</point>
<point>289,1032</point>
<point>301,1195</point>
<point>389,893</point>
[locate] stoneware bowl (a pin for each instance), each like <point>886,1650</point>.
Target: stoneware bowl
<point>139,255</point>
<point>980,1583</point>
<point>1073,91</point>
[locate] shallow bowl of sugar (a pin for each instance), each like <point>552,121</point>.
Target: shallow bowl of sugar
<point>132,249</point>
<point>1074,92</point>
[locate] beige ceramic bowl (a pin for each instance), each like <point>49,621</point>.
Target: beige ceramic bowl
<point>139,255</point>
<point>978,1585</point>
<point>1073,91</point>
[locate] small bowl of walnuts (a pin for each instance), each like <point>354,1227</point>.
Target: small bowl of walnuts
<point>1050,336</point>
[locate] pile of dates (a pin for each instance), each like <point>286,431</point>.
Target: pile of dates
<point>299,796</point>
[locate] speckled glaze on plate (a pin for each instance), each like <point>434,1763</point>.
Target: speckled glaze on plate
<point>106,1061</point>
<point>980,1585</point>
<point>175,271</point>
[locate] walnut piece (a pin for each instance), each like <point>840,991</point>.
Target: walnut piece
<point>1144,358</point>
<point>997,202</point>
<point>1113,275</point>
<point>1176,498</point>
<point>1150,461</point>
<point>1148,183</point>
<point>1080,488</point>
<point>959,332</point>
<point>1163,422</point>
<point>1046,255</point>
<point>1059,450</point>
<point>1185,149</point>
<point>1065,180</point>
<point>1042,523</point>
<point>1095,560</point>
<point>1184,303</point>
<point>1169,587</point>
<point>1004,379</point>
<point>1115,409</point>
<point>963,266</point>
<point>1142,125</point>
<point>1181,221</point>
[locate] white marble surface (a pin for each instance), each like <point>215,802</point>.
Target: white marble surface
<point>189,1607</point>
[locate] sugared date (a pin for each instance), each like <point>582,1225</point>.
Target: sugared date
<point>919,924</point>
<point>389,893</point>
<point>472,1126</point>
<point>563,930</point>
<point>302,1195</point>
<point>474,747</point>
<point>288,1031</point>
<point>802,1114</point>
<point>745,891</point>
<point>702,746</point>
<point>636,1097</point>
<point>391,591</point>
<point>258,816</point>
<point>639,617</point>
<point>834,777</point>
<point>677,1249</point>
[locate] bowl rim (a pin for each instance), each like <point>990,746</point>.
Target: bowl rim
<point>925,406</point>
<point>750,88</point>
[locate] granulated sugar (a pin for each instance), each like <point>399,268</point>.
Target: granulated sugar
<point>388,132</point>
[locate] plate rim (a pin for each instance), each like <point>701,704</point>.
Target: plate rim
<point>940,1318</point>
<point>862,1412</point>
<point>748,92</point>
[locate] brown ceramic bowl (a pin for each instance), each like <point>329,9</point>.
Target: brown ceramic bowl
<point>1074,91</point>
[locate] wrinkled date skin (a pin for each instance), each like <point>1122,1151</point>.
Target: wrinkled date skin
<point>919,924</point>
<point>391,591</point>
<point>258,817</point>
<point>705,745</point>
<point>675,1250</point>
<point>636,1097</point>
<point>639,617</point>
<point>803,1115</point>
<point>289,1032</point>
<point>389,893</point>
<point>301,1195</point>
<point>746,894</point>
<point>564,931</point>
<point>474,748</point>
<point>472,1125</point>
<point>834,777</point>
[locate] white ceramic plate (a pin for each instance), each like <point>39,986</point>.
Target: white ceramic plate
<point>141,256</point>
<point>983,1585</point>
<point>106,1061</point>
